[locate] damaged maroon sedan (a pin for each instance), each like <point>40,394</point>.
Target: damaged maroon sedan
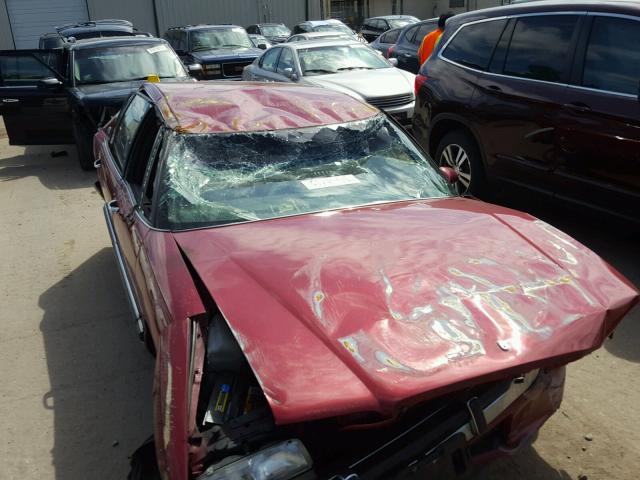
<point>320,302</point>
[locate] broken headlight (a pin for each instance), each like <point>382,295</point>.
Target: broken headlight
<point>281,461</point>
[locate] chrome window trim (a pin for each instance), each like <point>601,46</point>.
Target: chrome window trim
<point>606,92</point>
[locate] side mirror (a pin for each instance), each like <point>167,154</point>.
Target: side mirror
<point>262,46</point>
<point>290,74</point>
<point>393,61</point>
<point>194,68</point>
<point>449,174</point>
<point>50,83</point>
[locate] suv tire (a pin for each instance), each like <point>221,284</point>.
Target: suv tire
<point>83,143</point>
<point>459,151</point>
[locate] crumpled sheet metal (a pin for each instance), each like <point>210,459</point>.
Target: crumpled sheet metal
<point>218,107</point>
<point>380,307</point>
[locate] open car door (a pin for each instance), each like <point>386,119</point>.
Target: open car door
<point>33,100</point>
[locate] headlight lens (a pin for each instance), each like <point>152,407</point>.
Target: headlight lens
<point>278,462</point>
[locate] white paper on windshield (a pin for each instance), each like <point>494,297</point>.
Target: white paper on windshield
<point>159,48</point>
<point>326,182</point>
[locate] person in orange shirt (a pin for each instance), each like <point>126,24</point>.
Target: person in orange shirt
<point>430,40</point>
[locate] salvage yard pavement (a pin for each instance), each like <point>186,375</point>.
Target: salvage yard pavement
<point>76,384</point>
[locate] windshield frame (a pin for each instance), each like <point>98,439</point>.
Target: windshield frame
<point>72,60</point>
<point>169,139</point>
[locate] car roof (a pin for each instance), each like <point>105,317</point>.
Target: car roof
<point>226,106</point>
<point>206,26</point>
<point>540,6</point>
<point>112,41</point>
<point>328,21</point>
<point>391,17</point>
<point>328,33</point>
<point>333,42</point>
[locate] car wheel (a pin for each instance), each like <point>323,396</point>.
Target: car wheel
<point>459,151</point>
<point>83,140</point>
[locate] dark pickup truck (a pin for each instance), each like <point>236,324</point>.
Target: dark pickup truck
<point>221,50</point>
<point>62,95</point>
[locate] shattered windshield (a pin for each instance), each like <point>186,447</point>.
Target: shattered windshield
<point>216,179</point>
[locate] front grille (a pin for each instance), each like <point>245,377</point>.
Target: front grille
<point>391,101</point>
<point>234,69</point>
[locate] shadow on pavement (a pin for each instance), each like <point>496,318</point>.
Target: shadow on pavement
<point>51,171</point>
<point>100,374</point>
<point>525,465</point>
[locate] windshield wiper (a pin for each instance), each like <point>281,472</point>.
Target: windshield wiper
<point>234,45</point>
<point>320,70</point>
<point>355,68</point>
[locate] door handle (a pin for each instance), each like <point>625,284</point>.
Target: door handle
<point>494,88</point>
<point>577,107</point>
<point>406,55</point>
<point>10,100</point>
<point>113,207</point>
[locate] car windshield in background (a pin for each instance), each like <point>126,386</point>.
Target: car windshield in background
<point>216,179</point>
<point>333,27</point>
<point>397,23</point>
<point>124,63</point>
<point>275,31</point>
<point>219,38</point>
<point>336,59</point>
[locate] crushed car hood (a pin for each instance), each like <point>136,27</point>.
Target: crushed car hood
<point>376,308</point>
<point>381,82</point>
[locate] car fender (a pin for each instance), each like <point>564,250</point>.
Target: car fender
<point>439,119</point>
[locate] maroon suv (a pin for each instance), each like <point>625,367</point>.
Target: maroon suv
<point>542,96</point>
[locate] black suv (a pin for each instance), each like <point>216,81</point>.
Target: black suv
<point>83,30</point>
<point>274,32</point>
<point>221,50</point>
<point>63,95</point>
<point>372,28</point>
<point>406,48</point>
<point>542,97</point>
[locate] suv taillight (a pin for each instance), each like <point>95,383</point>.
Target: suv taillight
<point>391,51</point>
<point>420,79</point>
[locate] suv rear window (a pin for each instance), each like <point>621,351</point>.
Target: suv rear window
<point>540,47</point>
<point>473,45</point>
<point>611,60</point>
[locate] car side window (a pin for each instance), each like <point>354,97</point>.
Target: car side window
<point>383,25</point>
<point>270,59</point>
<point>286,61</point>
<point>410,34</point>
<point>390,37</point>
<point>23,69</point>
<point>251,29</point>
<point>127,127</point>
<point>611,59</point>
<point>540,47</point>
<point>474,44</point>
<point>181,42</point>
<point>423,31</point>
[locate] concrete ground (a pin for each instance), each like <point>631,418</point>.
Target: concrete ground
<point>75,394</point>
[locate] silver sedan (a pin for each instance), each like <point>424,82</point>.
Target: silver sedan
<point>343,65</point>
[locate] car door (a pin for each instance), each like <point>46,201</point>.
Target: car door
<point>405,50</point>
<point>599,160</point>
<point>518,101</point>
<point>35,112</point>
<point>112,162</point>
<point>266,69</point>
